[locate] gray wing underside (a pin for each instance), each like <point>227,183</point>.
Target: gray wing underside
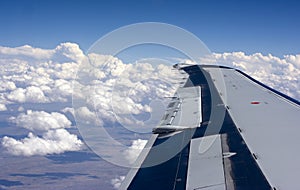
<point>222,130</point>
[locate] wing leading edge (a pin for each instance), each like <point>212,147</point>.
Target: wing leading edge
<point>222,130</point>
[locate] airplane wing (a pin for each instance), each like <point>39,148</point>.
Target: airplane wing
<point>222,130</point>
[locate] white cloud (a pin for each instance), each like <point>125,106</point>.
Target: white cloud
<point>55,138</point>
<point>281,74</point>
<point>109,65</point>
<point>17,95</point>
<point>35,94</point>
<point>62,51</point>
<point>83,114</point>
<point>66,71</point>
<point>294,60</point>
<point>112,88</point>
<point>21,109</point>
<point>116,182</point>
<point>41,121</point>
<point>27,51</point>
<point>7,85</point>
<point>68,109</point>
<point>31,94</point>
<point>68,50</point>
<point>64,87</point>
<point>61,91</point>
<point>3,107</point>
<point>132,153</point>
<point>52,142</point>
<point>35,75</point>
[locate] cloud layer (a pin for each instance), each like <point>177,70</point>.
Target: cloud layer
<point>34,75</point>
<point>106,90</point>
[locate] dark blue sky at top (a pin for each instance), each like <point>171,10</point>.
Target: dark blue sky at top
<point>224,26</point>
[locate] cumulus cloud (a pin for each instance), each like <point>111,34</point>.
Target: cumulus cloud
<point>26,51</point>
<point>116,182</point>
<point>41,120</point>
<point>68,110</point>
<point>30,94</point>
<point>3,107</point>
<point>17,95</point>
<point>55,138</point>
<point>21,109</point>
<point>123,92</point>
<point>71,51</point>
<point>64,50</point>
<point>35,75</point>
<point>83,114</point>
<point>106,89</point>
<point>128,92</point>
<point>132,153</point>
<point>7,85</point>
<point>281,74</point>
<point>52,142</point>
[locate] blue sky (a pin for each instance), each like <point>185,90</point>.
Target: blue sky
<point>224,26</point>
